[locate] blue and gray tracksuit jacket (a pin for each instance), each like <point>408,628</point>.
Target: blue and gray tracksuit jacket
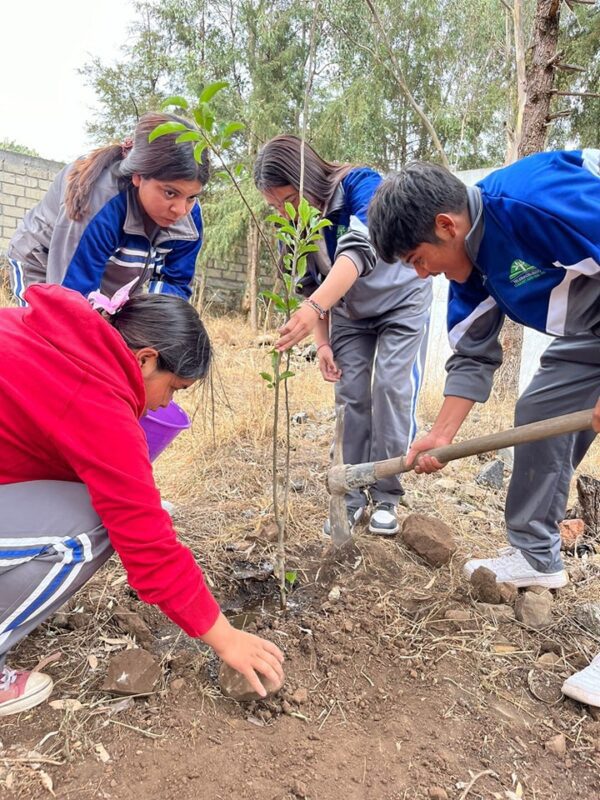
<point>535,244</point>
<point>108,248</point>
<point>381,287</point>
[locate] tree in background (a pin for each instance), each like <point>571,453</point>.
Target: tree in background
<point>14,147</point>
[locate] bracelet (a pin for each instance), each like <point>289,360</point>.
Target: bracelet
<point>322,313</point>
<point>325,344</point>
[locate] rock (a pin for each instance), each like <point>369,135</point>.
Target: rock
<point>430,538</point>
<point>571,532</point>
<point>534,610</point>
<point>177,685</point>
<point>588,615</point>
<point>446,484</point>
<point>508,592</point>
<point>507,456</point>
<point>557,745</point>
<point>437,793</point>
<point>335,594</point>
<point>131,672</point>
<point>484,586</point>
<point>298,486</point>
<point>492,475</point>
<point>496,613</point>
<point>300,417</point>
<point>309,353</point>
<point>300,696</point>
<point>548,660</point>
<point>233,684</point>
<point>458,615</point>
<point>299,789</point>
<point>130,622</point>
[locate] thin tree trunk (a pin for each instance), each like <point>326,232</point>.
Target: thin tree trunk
<point>517,130</point>
<point>540,77</point>
<point>253,247</point>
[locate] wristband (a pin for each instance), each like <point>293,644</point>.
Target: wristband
<point>325,344</point>
<point>322,313</point>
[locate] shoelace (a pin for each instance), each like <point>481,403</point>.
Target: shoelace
<point>7,677</point>
<point>384,507</point>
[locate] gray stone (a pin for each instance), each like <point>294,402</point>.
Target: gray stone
<point>430,538</point>
<point>496,613</point>
<point>131,672</point>
<point>300,417</point>
<point>534,610</point>
<point>233,684</point>
<point>507,456</point>
<point>492,475</point>
<point>588,615</point>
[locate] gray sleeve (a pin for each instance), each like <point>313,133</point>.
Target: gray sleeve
<point>356,245</point>
<point>477,353</point>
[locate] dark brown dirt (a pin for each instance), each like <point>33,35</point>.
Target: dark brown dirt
<point>386,697</point>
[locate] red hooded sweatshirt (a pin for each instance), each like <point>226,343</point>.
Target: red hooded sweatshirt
<point>71,395</point>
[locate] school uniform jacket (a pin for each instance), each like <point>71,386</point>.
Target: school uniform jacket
<point>535,246</point>
<point>381,287</point>
<point>71,395</point>
<point>107,248</point>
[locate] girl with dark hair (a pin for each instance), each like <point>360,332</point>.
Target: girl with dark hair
<point>122,211</point>
<point>75,479</point>
<point>369,320</point>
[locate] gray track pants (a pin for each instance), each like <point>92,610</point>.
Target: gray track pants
<point>51,543</point>
<point>568,380</point>
<point>381,359</point>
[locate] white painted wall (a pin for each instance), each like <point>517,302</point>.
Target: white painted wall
<point>438,350</point>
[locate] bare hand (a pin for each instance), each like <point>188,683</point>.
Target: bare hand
<point>250,655</point>
<point>596,416</point>
<point>329,369</point>
<point>299,325</point>
<point>426,464</point>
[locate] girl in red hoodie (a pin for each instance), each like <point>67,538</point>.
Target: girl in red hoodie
<point>75,478</point>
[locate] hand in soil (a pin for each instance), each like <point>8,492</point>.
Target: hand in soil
<point>248,654</point>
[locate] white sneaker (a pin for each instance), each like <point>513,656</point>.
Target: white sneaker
<point>512,567</point>
<point>384,521</point>
<point>584,686</point>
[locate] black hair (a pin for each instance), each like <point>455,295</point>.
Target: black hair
<point>172,327</point>
<point>162,159</point>
<point>403,209</point>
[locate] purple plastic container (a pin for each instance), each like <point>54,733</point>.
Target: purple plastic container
<point>162,426</point>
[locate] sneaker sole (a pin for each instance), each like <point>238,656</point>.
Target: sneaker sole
<point>31,700</point>
<point>554,580</point>
<point>581,696</point>
<point>384,531</point>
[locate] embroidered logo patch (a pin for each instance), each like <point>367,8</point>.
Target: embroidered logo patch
<point>521,272</point>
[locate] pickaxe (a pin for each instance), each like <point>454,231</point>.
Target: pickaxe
<point>343,478</point>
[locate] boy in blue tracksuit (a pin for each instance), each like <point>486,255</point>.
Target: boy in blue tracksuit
<point>523,243</point>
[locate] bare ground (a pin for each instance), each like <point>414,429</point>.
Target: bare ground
<point>398,689</point>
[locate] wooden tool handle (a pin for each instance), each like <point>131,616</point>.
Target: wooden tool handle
<point>344,479</point>
<point>533,432</point>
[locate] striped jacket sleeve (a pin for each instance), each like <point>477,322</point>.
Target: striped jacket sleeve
<point>474,324</point>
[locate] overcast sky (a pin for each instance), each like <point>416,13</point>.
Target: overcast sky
<point>44,103</point>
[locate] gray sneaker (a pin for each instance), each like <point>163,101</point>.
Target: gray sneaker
<point>384,521</point>
<point>354,516</point>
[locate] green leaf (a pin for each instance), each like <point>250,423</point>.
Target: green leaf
<point>285,375</point>
<point>304,211</point>
<point>301,267</point>
<point>238,169</point>
<point>204,117</point>
<point>291,577</point>
<point>198,150</point>
<point>211,90</point>
<point>277,301</point>
<point>308,248</point>
<point>322,223</point>
<point>294,304</point>
<point>266,377</point>
<point>290,210</point>
<point>276,219</point>
<point>175,100</point>
<point>231,128</point>
<point>166,127</point>
<point>188,136</point>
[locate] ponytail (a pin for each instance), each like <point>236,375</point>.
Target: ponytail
<point>84,174</point>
